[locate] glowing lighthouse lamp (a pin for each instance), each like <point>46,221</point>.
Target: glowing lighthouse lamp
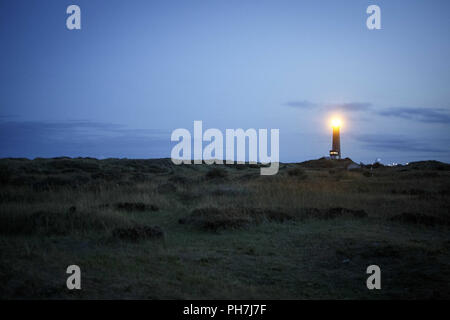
<point>335,152</point>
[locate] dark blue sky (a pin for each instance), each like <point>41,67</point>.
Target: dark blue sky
<point>137,70</point>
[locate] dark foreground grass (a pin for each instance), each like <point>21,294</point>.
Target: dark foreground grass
<point>149,230</point>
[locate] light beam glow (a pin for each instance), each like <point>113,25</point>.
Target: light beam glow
<point>336,123</point>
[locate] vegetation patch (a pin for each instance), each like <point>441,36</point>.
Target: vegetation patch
<point>49,222</point>
<point>188,197</point>
<point>180,180</point>
<point>214,219</point>
<point>138,233</point>
<point>167,188</point>
<point>284,237</point>
<point>135,206</point>
<point>332,213</point>
<point>298,173</point>
<point>228,191</point>
<point>420,219</point>
<point>215,173</point>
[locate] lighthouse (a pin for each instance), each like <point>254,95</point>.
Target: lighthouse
<point>335,152</point>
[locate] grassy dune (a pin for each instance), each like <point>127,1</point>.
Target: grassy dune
<point>147,229</point>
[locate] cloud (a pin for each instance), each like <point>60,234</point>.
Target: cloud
<point>7,116</point>
<point>80,138</point>
<point>427,115</point>
<point>430,115</point>
<point>351,106</point>
<point>301,104</point>
<point>387,142</point>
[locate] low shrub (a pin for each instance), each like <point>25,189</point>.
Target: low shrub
<point>135,206</point>
<point>420,219</point>
<point>298,173</point>
<point>216,173</point>
<point>138,233</point>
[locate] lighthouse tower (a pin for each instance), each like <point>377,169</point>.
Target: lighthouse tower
<point>335,152</point>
